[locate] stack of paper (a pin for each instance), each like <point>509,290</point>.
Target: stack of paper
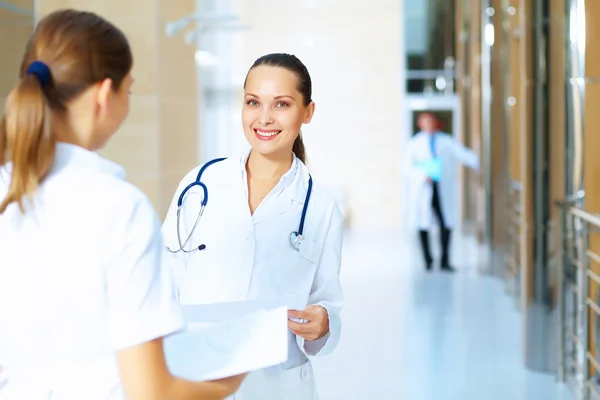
<point>228,339</point>
<point>207,314</point>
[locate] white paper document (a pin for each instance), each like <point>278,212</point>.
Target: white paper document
<point>220,347</point>
<point>198,315</point>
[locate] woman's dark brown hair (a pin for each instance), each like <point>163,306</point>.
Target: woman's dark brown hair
<point>292,64</point>
<point>80,49</point>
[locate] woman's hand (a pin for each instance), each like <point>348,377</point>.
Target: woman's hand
<point>316,325</point>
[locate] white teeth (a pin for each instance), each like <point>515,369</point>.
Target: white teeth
<point>267,134</point>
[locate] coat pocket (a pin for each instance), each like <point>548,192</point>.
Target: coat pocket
<point>296,270</point>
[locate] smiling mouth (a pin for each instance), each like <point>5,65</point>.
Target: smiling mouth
<point>266,134</point>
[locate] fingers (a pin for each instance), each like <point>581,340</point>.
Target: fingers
<point>316,317</point>
<point>306,331</point>
<point>307,315</point>
<point>301,328</point>
<point>310,313</point>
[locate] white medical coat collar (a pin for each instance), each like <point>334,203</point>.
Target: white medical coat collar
<point>72,155</point>
<point>423,133</point>
<point>298,169</point>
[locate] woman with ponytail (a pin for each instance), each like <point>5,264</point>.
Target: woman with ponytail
<point>84,298</point>
<point>267,233</point>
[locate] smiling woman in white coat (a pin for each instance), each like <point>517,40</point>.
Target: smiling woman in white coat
<point>430,165</point>
<point>85,299</point>
<point>252,241</point>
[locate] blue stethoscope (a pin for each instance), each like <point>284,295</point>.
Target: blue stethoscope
<point>296,237</point>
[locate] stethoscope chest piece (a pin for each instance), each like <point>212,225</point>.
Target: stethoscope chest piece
<point>296,240</point>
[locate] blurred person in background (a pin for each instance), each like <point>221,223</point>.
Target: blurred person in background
<point>85,300</point>
<point>430,165</point>
<point>267,232</point>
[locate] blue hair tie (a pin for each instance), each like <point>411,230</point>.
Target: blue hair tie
<point>41,71</point>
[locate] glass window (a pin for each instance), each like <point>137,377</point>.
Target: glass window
<point>429,37</point>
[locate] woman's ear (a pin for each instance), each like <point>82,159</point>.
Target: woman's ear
<point>310,111</point>
<point>103,95</point>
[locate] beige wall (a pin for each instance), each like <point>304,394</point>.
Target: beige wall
<point>356,60</point>
<point>15,29</point>
<point>157,144</point>
<point>353,51</point>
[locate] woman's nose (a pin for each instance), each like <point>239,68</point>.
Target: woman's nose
<point>265,116</point>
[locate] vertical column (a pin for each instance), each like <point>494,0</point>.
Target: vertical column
<point>157,144</point>
<point>460,40</point>
<point>463,32</point>
<point>591,121</point>
<point>513,114</point>
<point>557,143</point>
<point>475,106</point>
<point>525,128</point>
<point>136,146</point>
<point>177,101</point>
<point>498,132</point>
<point>540,346</point>
<point>513,95</point>
<point>485,148</point>
<point>591,143</point>
<point>557,104</point>
<point>15,29</point>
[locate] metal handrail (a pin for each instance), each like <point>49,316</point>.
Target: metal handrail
<point>577,308</point>
<point>591,218</point>
<point>572,198</point>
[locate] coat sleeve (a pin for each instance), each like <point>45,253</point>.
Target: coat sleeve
<point>176,262</point>
<point>464,155</point>
<point>326,290</point>
<point>409,168</point>
<point>139,289</point>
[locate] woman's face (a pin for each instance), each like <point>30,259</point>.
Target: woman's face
<point>274,110</point>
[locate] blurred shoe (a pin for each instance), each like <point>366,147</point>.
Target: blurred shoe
<point>448,268</point>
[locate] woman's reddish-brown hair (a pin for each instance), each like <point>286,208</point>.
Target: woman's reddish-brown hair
<point>80,49</point>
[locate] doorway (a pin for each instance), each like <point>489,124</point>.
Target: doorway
<point>445,118</point>
<point>447,109</point>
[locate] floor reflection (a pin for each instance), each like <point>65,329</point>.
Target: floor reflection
<point>413,335</point>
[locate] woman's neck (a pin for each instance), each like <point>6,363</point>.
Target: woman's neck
<point>263,167</point>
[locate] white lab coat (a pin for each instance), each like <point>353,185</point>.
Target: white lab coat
<point>451,153</point>
<point>250,257</point>
<point>81,277</point>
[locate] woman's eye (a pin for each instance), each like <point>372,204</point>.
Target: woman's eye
<point>252,103</point>
<point>281,105</point>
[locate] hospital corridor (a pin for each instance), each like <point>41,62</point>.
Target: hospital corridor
<point>410,334</point>
<point>345,199</point>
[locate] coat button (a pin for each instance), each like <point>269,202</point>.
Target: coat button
<point>305,373</point>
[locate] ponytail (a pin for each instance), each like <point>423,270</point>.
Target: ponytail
<point>84,49</point>
<point>299,149</point>
<point>27,140</point>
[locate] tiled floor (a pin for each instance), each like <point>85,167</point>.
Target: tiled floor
<point>426,336</point>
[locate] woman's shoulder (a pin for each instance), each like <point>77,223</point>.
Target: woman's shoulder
<point>322,195</point>
<point>328,201</point>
